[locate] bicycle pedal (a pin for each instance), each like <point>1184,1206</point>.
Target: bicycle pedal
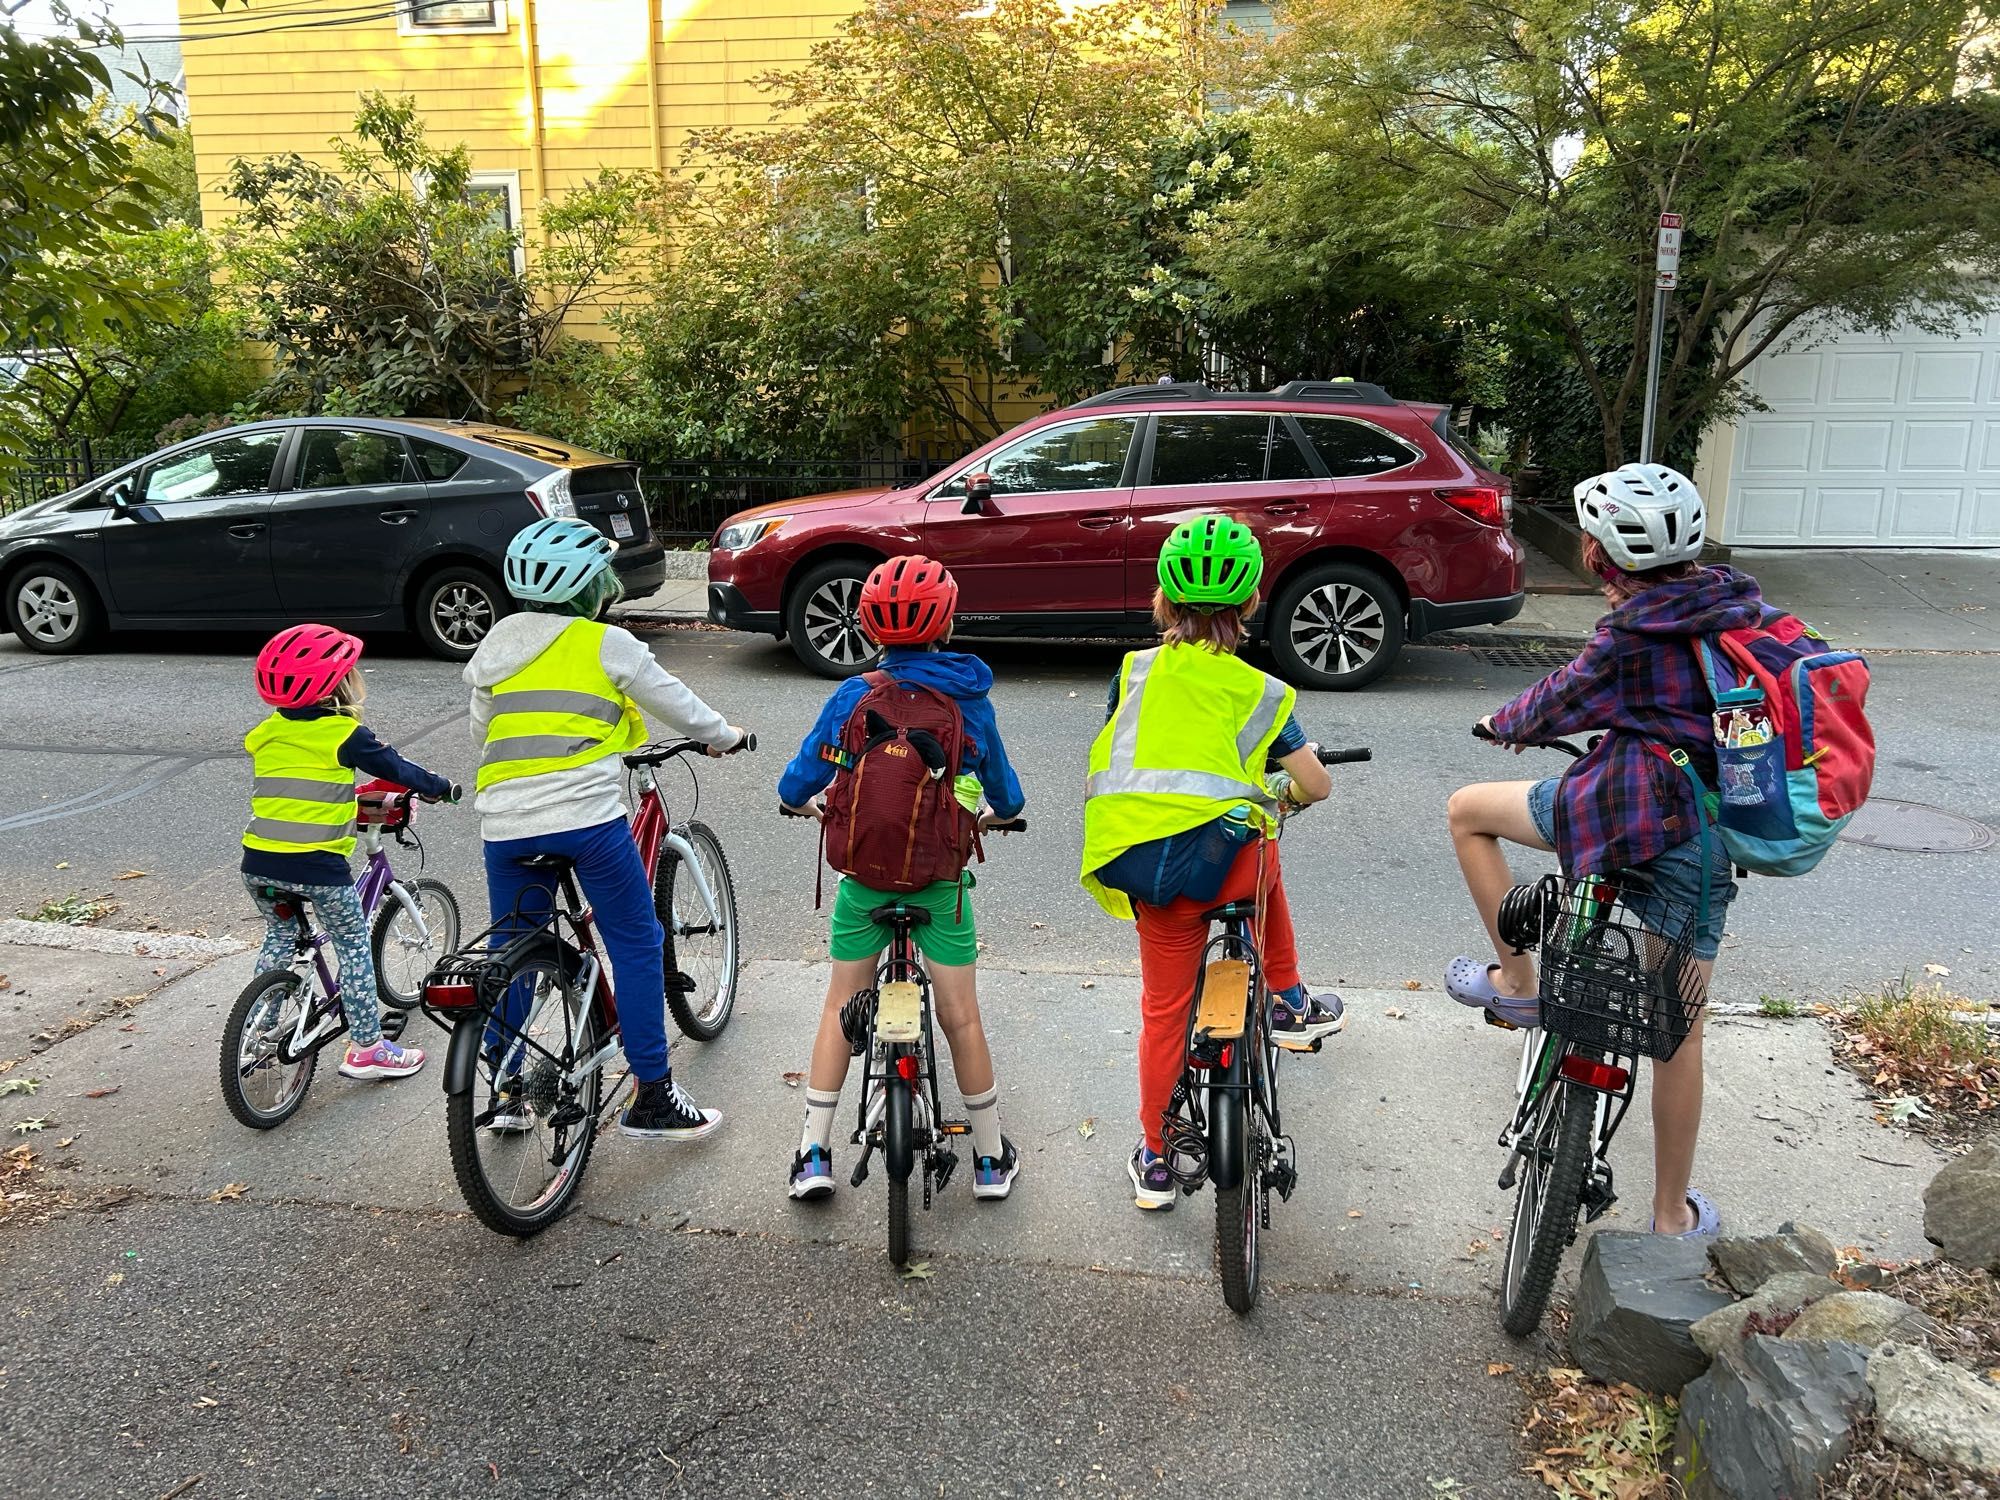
<point>1500,1022</point>
<point>943,1164</point>
<point>860,1173</point>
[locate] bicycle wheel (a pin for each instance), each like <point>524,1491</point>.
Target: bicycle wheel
<point>898,1156</point>
<point>1238,1208</point>
<point>521,1133</point>
<point>705,952</point>
<point>261,1089</point>
<point>1547,1198</point>
<point>403,955</point>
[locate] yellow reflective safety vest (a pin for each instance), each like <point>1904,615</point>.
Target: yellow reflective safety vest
<point>1186,743</point>
<point>559,711</point>
<point>302,798</point>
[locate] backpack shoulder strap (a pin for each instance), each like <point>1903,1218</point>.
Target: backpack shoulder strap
<point>1715,667</point>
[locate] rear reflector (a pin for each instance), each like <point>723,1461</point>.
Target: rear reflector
<point>450,996</point>
<point>906,1068</point>
<point>1486,504</point>
<point>1594,1074</point>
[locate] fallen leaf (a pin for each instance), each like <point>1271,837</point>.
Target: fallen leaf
<point>916,1270</point>
<point>493,1469</point>
<point>1088,984</point>
<point>63,866</point>
<point>229,1192</point>
<point>103,1093</point>
<point>208,1401</point>
<point>1037,926</point>
<point>5,984</point>
<point>133,875</point>
<point>1395,1013</point>
<point>793,1080</point>
<point>1354,1213</point>
<point>29,1127</point>
<point>1088,1128</point>
<point>1499,1367</point>
<point>20,1086</point>
<point>1937,971</point>
<point>1413,984</point>
<point>66,1142</point>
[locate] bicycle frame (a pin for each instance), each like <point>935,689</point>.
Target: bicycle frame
<point>1542,1053</point>
<point>652,831</point>
<point>882,1070</point>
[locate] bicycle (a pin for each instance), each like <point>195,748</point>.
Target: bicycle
<point>534,1018</point>
<point>1619,981</point>
<point>1223,1125</point>
<point>272,1039</point>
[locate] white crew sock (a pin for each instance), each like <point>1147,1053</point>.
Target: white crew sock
<point>982,1111</point>
<point>819,1120</point>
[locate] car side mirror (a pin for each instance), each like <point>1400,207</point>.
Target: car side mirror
<point>119,497</point>
<point>978,493</point>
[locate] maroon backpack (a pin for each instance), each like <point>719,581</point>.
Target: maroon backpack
<point>893,819</point>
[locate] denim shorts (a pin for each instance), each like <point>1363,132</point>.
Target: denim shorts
<point>1674,876</point>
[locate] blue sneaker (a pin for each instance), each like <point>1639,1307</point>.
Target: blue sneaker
<point>1153,1186</point>
<point>1300,1022</point>
<point>993,1176</point>
<point>812,1173</point>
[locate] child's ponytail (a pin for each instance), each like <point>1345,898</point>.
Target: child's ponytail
<point>350,693</point>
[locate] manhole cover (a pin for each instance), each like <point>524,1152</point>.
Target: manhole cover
<point>1884,823</point>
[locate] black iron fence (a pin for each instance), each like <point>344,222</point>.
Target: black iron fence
<point>689,498</point>
<point>51,471</point>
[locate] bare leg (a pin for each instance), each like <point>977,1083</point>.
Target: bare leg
<point>831,1053</point>
<point>955,987</point>
<point>1481,816</point>
<point>1676,1123</point>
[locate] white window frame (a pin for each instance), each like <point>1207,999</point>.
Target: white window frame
<point>511,182</point>
<point>406,23</point>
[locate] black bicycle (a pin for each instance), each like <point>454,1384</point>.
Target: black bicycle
<point>1619,981</point>
<point>1223,1125</point>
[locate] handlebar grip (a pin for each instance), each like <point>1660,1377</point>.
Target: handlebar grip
<point>1345,757</point>
<point>1010,825</point>
<point>455,795</point>
<point>1481,732</point>
<point>792,812</point>
<point>750,740</point>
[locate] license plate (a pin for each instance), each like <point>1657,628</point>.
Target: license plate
<point>621,525</point>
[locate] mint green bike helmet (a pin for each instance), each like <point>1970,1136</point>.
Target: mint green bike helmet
<point>1211,561</point>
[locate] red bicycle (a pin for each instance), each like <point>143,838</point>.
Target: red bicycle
<point>535,1021</point>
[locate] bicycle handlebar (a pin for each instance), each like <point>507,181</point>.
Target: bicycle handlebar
<point>1345,757</point>
<point>1005,825</point>
<point>1481,732</point>
<point>657,755</point>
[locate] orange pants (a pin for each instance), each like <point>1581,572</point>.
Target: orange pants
<point>1171,939</point>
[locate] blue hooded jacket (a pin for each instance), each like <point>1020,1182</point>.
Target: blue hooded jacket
<point>965,679</point>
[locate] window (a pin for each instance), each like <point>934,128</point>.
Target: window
<point>228,466</point>
<point>1081,456</point>
<point>1210,448</point>
<point>499,193</point>
<point>435,461</point>
<point>334,458</point>
<point>451,17</point>
<point>1354,450</point>
<point>1288,459</point>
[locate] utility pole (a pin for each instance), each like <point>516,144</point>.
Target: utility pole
<point>1666,275</point>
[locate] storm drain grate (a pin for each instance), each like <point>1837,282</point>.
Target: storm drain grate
<point>1885,823</point>
<point>1540,660</point>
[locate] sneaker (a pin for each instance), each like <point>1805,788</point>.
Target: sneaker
<point>511,1111</point>
<point>662,1111</point>
<point>993,1176</point>
<point>383,1060</point>
<point>812,1174</point>
<point>1318,1017</point>
<point>1153,1187</point>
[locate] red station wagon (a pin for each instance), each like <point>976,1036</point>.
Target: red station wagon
<point>1378,527</point>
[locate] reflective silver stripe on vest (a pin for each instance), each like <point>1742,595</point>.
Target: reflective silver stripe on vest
<point>280,831</point>
<point>300,789</point>
<point>1125,732</point>
<point>559,701</point>
<point>535,747</point>
<point>1263,721</point>
<point>1173,783</point>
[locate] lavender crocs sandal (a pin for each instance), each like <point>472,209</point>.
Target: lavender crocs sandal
<point>1470,982</point>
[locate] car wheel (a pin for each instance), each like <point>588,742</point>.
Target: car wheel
<point>823,622</point>
<point>1336,627</point>
<point>456,608</point>
<point>52,609</point>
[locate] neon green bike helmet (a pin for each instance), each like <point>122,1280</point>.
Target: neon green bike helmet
<point>1211,561</point>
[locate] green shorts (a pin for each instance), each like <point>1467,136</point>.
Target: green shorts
<point>948,938</point>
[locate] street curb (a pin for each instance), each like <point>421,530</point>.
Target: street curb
<point>116,940</point>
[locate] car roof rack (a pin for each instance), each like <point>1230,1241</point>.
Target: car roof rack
<point>1345,391</point>
<point>1354,392</point>
<point>1125,395</point>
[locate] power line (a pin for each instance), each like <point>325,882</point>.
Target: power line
<point>382,10</point>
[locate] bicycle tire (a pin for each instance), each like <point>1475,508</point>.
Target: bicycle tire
<point>466,1134</point>
<point>258,993</point>
<point>444,941</point>
<point>703,1024</point>
<point>898,1154</point>
<point>1547,1217</point>
<point>1237,1207</point>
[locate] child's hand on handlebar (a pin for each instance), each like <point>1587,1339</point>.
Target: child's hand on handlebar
<point>744,740</point>
<point>1484,730</point>
<point>815,809</point>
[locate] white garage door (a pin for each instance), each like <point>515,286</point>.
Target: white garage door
<point>1872,441</point>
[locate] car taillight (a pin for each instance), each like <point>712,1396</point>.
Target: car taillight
<point>550,494</point>
<point>1487,504</point>
<point>1593,1074</point>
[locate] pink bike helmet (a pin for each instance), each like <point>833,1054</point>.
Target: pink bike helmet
<point>303,665</point>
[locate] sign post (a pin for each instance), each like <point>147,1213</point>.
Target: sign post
<point>1666,275</point>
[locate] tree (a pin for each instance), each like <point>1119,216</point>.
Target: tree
<point>383,287</point>
<point>70,179</point>
<point>1833,161</point>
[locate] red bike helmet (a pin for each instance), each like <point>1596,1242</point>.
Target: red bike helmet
<point>908,601</point>
<point>303,665</point>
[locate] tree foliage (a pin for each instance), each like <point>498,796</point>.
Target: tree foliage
<point>383,287</point>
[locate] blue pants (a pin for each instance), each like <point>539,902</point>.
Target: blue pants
<point>614,881</point>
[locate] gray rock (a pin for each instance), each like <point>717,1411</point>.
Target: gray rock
<point>1637,1299</point>
<point>1938,1411</point>
<point>1962,1208</point>
<point>1747,1263</point>
<point>1865,1318</point>
<point>1786,1292</point>
<point>1769,1419</point>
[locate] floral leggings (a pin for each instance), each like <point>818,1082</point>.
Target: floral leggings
<point>340,913</point>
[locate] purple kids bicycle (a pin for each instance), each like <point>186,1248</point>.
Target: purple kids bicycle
<point>285,1016</point>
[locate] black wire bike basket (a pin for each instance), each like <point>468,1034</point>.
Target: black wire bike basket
<point>1618,967</point>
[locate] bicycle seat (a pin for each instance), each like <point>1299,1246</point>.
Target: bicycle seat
<point>895,914</point>
<point>553,864</point>
<point>282,894</point>
<point>1231,911</point>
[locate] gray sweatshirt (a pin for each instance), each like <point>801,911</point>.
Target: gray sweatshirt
<point>586,795</point>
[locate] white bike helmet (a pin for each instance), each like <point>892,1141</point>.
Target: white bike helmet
<point>1644,515</point>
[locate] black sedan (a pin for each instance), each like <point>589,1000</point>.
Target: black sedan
<point>358,522</point>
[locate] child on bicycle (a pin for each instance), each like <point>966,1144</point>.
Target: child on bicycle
<point>907,606</point>
<point>302,810</point>
<point>1622,808</point>
<point>1175,805</point>
<point>556,697</point>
